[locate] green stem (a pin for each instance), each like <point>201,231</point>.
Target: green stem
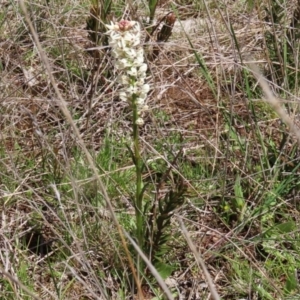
<point>139,183</point>
<point>139,186</point>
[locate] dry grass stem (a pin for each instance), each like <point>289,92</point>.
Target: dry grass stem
<point>200,262</point>
<point>275,102</point>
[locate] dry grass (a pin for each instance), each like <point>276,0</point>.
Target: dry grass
<point>58,238</point>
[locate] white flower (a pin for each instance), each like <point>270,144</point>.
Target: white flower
<point>123,96</point>
<point>140,102</point>
<point>145,88</point>
<point>132,72</point>
<point>142,69</point>
<point>139,122</point>
<point>130,54</point>
<point>112,27</point>
<point>145,107</point>
<point>123,79</point>
<point>132,90</point>
<point>140,82</point>
<point>122,64</point>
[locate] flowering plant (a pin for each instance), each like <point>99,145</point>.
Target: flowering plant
<point>152,222</point>
<point>128,54</point>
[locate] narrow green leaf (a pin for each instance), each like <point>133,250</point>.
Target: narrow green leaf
<point>238,193</point>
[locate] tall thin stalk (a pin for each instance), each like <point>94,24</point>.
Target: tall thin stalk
<point>129,61</point>
<point>139,181</point>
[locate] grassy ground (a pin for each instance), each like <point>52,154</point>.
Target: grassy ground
<point>208,125</point>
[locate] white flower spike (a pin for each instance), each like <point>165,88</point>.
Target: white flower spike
<point>125,40</point>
